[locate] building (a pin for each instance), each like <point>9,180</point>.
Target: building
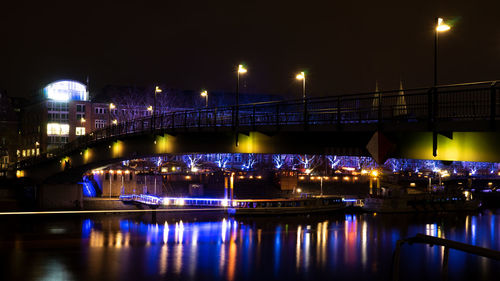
<point>57,115</point>
<point>9,128</point>
<point>63,111</point>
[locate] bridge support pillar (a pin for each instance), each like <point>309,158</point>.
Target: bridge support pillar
<point>60,196</point>
<point>226,185</point>
<point>231,187</point>
<point>371,186</point>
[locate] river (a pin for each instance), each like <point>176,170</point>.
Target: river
<point>213,246</point>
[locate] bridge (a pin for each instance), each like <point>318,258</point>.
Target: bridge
<point>451,122</point>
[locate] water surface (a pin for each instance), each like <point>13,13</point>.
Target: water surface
<point>212,246</point>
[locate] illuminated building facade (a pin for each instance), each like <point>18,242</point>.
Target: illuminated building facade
<point>63,111</point>
<point>58,115</point>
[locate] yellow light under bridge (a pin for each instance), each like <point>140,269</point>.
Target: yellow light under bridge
<point>164,144</point>
<point>464,146</point>
<point>117,149</point>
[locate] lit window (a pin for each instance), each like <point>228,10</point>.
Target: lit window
<point>38,151</point>
<point>24,153</point>
<point>56,129</point>
<point>80,131</point>
<point>100,123</point>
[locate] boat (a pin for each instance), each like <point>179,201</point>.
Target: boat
<point>402,201</point>
<point>303,205</point>
<point>286,206</point>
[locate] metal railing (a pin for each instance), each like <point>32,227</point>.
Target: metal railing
<point>459,102</point>
<point>447,244</point>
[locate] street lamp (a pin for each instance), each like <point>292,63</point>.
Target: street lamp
<point>111,106</point>
<point>150,109</point>
<point>241,70</point>
<point>302,76</point>
<point>205,95</point>
<point>440,27</point>
<point>157,90</point>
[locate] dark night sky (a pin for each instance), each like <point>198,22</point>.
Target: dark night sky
<point>344,45</point>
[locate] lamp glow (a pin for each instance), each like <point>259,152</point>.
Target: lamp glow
<point>112,106</point>
<point>157,89</point>
<point>301,76</point>
<point>241,69</point>
<point>441,26</point>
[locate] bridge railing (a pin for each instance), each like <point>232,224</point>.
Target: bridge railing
<point>471,101</point>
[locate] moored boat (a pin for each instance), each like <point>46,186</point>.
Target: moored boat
<point>420,203</point>
<point>286,206</point>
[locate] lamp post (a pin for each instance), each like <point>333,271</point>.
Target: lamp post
<point>111,106</point>
<point>241,70</point>
<point>205,95</point>
<point>440,27</point>
<point>302,76</point>
<point>150,109</point>
<point>157,90</point>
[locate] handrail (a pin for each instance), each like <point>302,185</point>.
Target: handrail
<point>470,101</point>
<point>447,244</point>
<point>366,93</point>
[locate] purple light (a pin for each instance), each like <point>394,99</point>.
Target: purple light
<point>279,161</point>
<point>305,161</point>
<point>250,162</point>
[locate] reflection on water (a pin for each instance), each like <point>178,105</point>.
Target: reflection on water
<point>294,248</point>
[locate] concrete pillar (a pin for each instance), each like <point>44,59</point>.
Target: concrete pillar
<point>371,186</point>
<point>231,186</point>
<point>378,186</point>
<point>226,185</point>
<point>61,196</point>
